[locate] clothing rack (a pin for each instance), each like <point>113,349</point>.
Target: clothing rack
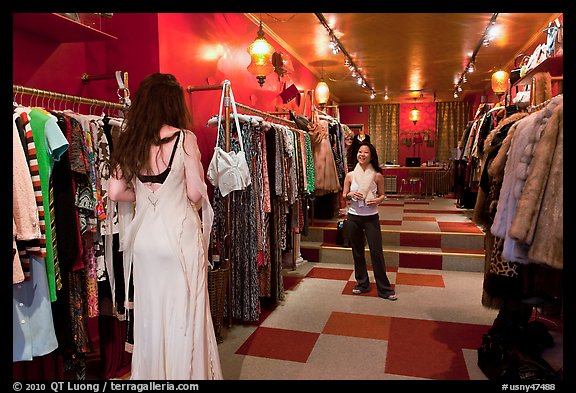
<point>267,115</point>
<point>65,97</point>
<point>290,124</point>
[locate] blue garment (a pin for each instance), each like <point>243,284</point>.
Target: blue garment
<point>32,324</point>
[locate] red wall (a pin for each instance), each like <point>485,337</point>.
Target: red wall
<point>350,114</point>
<point>201,49</point>
<point>44,63</point>
<point>151,42</point>
<point>426,123</point>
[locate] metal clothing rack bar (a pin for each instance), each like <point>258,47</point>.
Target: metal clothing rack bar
<point>65,97</point>
<point>87,78</point>
<point>266,115</point>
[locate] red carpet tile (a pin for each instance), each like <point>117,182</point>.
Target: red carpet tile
<point>390,222</point>
<point>420,261</point>
<point>414,218</point>
<point>329,273</point>
<point>416,203</point>
<point>464,227</point>
<point>279,344</point>
<point>424,280</point>
<point>432,211</point>
<point>421,240</point>
<point>358,325</point>
<point>431,349</point>
<point>463,251</point>
<point>291,282</point>
<point>351,284</point>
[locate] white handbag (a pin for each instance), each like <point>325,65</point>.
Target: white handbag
<point>228,171</point>
<point>522,98</point>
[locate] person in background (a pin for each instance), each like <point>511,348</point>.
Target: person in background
<point>357,140</point>
<point>364,187</point>
<point>157,165</point>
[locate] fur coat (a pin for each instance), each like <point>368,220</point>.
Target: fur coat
<point>538,222</point>
<point>522,145</point>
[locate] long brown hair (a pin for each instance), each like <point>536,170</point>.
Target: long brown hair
<point>158,101</point>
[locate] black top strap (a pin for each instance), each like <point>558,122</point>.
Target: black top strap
<point>161,177</point>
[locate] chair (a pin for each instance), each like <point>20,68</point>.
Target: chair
<point>410,185</point>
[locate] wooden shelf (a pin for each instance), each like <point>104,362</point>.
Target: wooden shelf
<point>553,65</point>
<point>57,27</point>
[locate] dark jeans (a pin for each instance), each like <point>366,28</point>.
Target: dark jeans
<point>369,226</point>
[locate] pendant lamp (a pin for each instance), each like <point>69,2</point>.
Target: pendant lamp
<point>500,82</point>
<point>322,93</point>
<point>414,115</point>
<point>260,54</point>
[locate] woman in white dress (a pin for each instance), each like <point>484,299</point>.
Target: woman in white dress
<point>157,166</point>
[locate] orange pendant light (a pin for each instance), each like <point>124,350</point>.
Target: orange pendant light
<point>322,93</point>
<point>261,54</point>
<point>500,82</point>
<point>414,115</point>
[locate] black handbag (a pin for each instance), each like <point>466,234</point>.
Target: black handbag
<point>515,73</point>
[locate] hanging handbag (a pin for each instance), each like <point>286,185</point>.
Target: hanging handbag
<point>228,171</point>
<point>515,73</point>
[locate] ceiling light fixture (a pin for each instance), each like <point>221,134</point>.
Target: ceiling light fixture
<point>348,62</point>
<point>322,93</point>
<point>500,83</point>
<point>261,57</point>
<point>471,65</point>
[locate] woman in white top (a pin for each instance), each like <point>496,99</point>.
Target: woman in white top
<point>365,188</point>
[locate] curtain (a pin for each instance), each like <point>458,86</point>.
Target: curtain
<point>383,127</point>
<point>451,120</point>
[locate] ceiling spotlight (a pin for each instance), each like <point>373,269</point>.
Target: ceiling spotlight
<point>471,67</point>
<point>386,96</point>
<point>372,94</point>
<point>360,80</point>
<point>455,94</point>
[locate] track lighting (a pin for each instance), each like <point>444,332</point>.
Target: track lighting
<point>336,47</point>
<point>471,66</point>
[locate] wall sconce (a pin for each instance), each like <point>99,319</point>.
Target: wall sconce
<point>414,115</point>
<point>261,54</point>
<point>322,93</point>
<point>500,83</point>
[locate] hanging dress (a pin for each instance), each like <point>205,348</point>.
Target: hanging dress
<point>165,246</point>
